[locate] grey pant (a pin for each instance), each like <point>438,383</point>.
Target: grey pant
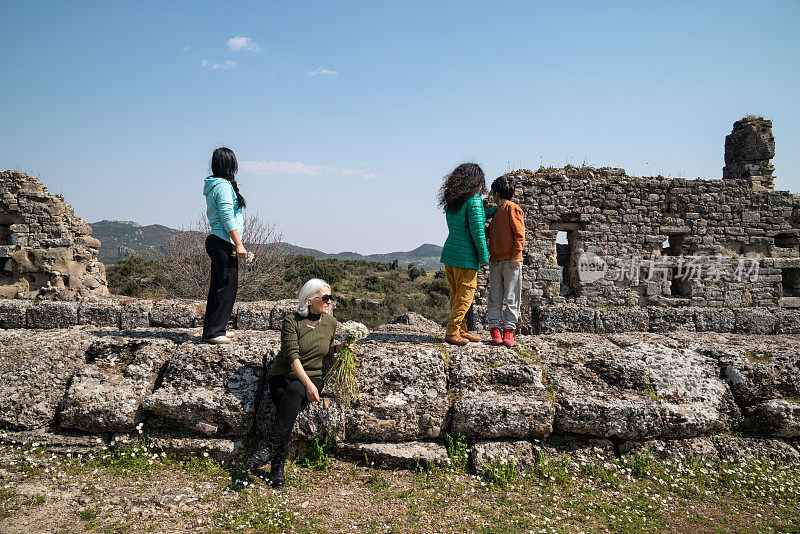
<point>505,294</point>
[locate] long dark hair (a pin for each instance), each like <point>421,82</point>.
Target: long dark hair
<point>466,180</point>
<point>224,165</point>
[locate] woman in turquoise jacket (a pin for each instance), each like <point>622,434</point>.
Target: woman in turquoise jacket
<point>465,249</point>
<point>224,205</point>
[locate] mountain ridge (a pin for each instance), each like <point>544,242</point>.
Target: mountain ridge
<point>121,239</point>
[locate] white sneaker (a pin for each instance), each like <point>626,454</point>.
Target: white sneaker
<point>230,334</point>
<point>219,340</point>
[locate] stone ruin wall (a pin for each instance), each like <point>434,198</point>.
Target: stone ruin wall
<point>45,250</point>
<point>739,222</point>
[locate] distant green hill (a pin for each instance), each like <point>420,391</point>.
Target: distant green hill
<point>121,239</point>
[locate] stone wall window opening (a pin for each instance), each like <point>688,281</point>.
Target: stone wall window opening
<point>790,282</point>
<point>567,257</point>
<point>787,240</point>
<point>681,285</point>
<point>673,245</point>
<point>5,234</point>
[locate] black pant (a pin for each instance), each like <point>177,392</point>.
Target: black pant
<point>224,283</point>
<point>289,397</point>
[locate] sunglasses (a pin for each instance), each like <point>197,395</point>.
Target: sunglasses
<point>326,298</point>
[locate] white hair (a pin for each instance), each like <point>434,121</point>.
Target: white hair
<point>308,292</point>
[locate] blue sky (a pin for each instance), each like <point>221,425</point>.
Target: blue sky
<point>345,116</point>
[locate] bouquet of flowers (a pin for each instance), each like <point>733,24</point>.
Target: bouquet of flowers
<point>342,375</point>
<point>250,256</point>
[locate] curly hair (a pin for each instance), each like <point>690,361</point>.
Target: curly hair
<point>466,180</point>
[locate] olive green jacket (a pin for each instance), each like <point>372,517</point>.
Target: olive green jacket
<point>466,243</point>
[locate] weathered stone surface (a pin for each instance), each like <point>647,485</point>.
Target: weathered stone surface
<point>13,313</point>
<point>739,449</point>
<point>673,449</point>
<point>279,311</point>
<point>787,322</point>
<point>777,417</point>
<point>59,441</point>
<point>499,393</point>
<point>106,393</point>
<point>176,313</point>
<point>135,314</point>
<point>670,319</point>
<point>53,314</point>
<point>714,320</point>
<point>554,319</point>
<point>254,315</point>
<point>764,375</point>
<point>609,320</point>
<point>100,312</point>
<point>640,391</point>
<point>484,454</point>
<point>403,393</point>
<point>403,454</point>
<point>34,371</point>
<point>754,321</point>
<point>420,323</point>
<point>213,389</point>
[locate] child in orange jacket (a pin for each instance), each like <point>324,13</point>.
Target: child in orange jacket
<point>506,242</point>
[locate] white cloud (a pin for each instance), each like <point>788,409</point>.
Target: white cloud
<point>322,72</point>
<point>296,167</point>
<point>243,43</point>
<point>228,65</point>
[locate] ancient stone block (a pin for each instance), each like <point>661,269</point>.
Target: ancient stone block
<point>403,393</point>
<point>670,319</point>
<point>98,312</point>
<point>135,314</point>
<point>53,314</point>
<point>13,313</point>
<point>498,393</point>
<point>754,321</point>
<point>34,371</point>
<point>175,313</point>
<point>403,454</point>
<point>106,393</point>
<point>553,319</point>
<point>641,391</point>
<point>609,320</point>
<point>714,320</point>
<point>787,321</point>
<point>254,315</point>
<point>212,389</point>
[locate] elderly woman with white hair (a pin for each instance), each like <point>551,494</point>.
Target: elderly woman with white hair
<point>295,379</point>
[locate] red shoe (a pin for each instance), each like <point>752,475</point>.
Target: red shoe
<point>496,339</point>
<point>508,338</point>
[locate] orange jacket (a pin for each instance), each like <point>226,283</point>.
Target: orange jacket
<point>506,232</point>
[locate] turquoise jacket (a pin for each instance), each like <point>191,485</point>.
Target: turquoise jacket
<point>466,243</point>
<point>222,208</point>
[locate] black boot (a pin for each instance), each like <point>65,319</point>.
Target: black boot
<point>263,455</point>
<point>276,477</point>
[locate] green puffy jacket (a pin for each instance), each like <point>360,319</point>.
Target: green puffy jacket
<point>466,244</point>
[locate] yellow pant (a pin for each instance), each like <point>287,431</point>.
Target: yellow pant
<point>462,288</point>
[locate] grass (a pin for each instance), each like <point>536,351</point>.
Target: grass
<point>635,493</point>
<point>757,356</point>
